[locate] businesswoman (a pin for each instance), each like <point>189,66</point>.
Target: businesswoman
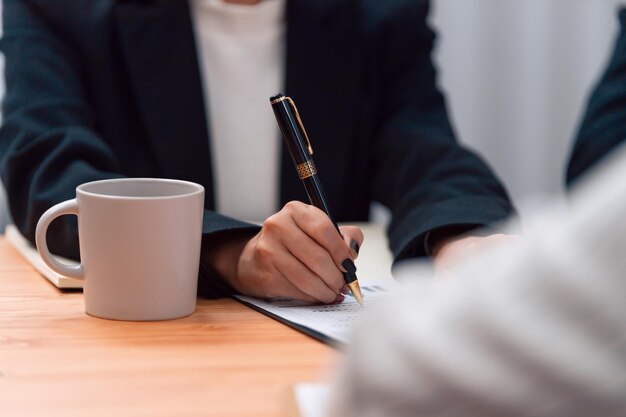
<point>179,89</point>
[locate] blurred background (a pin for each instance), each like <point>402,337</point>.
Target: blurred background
<point>517,74</point>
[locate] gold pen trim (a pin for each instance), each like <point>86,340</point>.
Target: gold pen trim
<point>306,169</point>
<point>278,100</point>
<point>295,109</point>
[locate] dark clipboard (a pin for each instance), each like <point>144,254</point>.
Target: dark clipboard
<point>302,329</point>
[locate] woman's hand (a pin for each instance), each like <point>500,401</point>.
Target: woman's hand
<point>297,254</point>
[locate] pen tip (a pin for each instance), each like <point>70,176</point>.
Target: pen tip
<point>355,289</point>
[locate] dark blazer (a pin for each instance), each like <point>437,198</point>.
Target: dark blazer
<point>100,89</point>
<point>604,125</point>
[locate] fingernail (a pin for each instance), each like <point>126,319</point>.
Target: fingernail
<point>345,290</point>
<point>348,265</point>
<point>339,299</point>
<point>354,245</point>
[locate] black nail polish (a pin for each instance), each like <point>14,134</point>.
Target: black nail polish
<point>354,246</point>
<point>349,266</point>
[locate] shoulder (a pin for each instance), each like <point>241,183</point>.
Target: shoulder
<point>398,23</point>
<point>390,11</point>
<point>395,18</point>
<point>55,14</point>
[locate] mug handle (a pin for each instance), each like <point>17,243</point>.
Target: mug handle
<point>66,207</point>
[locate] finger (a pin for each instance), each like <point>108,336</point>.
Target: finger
<point>353,237</point>
<point>264,279</point>
<point>315,257</point>
<point>282,287</point>
<point>317,225</point>
<point>282,231</point>
<point>339,299</point>
<point>304,279</point>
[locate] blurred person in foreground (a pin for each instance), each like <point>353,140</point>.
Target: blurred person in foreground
<point>179,89</point>
<point>534,328</point>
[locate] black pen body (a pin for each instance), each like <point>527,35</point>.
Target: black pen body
<point>301,152</point>
<point>316,195</point>
<point>292,130</point>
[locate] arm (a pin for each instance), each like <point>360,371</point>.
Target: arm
<point>50,143</point>
<point>428,180</point>
<point>532,329</point>
<point>604,125</point>
<point>47,139</point>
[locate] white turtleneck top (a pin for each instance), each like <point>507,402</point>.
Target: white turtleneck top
<point>241,51</point>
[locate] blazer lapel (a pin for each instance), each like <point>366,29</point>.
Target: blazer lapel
<point>158,47</point>
<point>324,58</point>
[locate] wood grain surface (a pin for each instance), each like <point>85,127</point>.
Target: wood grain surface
<point>224,360</point>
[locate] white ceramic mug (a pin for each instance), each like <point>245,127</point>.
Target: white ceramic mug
<point>139,244</point>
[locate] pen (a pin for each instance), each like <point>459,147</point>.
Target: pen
<point>301,152</point>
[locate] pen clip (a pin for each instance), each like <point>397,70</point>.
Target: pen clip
<point>295,109</point>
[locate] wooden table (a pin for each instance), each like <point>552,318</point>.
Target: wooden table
<point>224,360</point>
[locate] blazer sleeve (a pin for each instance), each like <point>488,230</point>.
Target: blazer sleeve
<point>421,172</point>
<point>49,143</point>
<point>604,124</point>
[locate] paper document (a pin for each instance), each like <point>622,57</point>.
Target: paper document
<point>327,323</point>
<point>311,399</point>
